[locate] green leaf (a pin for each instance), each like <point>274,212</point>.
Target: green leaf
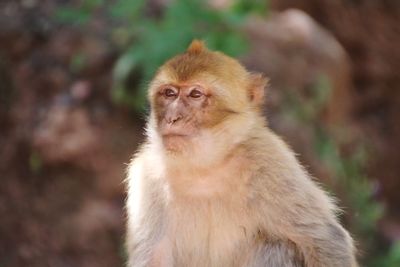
<point>72,16</point>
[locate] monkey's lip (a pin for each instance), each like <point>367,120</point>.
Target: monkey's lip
<point>175,132</point>
<point>169,133</point>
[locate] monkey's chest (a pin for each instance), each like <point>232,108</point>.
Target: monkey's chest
<point>210,234</point>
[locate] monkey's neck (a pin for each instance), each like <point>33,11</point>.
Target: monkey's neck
<point>215,165</point>
<point>223,178</point>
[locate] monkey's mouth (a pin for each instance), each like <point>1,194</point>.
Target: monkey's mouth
<point>172,135</point>
<point>169,132</point>
<point>175,132</point>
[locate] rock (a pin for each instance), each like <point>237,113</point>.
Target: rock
<point>295,52</point>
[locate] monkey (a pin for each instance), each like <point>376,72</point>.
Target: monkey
<point>213,186</point>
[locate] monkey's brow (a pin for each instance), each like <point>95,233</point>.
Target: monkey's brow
<point>214,80</point>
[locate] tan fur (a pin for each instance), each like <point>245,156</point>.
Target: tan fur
<point>196,47</point>
<point>234,194</point>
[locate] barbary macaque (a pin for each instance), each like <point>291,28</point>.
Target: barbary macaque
<point>213,186</point>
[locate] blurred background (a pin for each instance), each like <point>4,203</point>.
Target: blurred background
<point>73,78</point>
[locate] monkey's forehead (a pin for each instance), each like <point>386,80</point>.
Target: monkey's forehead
<point>187,66</point>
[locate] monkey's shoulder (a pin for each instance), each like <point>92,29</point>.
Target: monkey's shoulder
<point>278,177</point>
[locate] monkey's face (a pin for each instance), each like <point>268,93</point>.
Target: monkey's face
<point>197,96</point>
<point>183,111</point>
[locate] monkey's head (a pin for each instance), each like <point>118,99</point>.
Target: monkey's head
<point>202,93</point>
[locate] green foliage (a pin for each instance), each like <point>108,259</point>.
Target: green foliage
<point>156,40</point>
<point>77,63</point>
<point>250,6</point>
<point>347,171</point>
<point>145,42</point>
<point>308,112</point>
<point>80,15</point>
<point>392,259</point>
<point>359,191</point>
<point>35,162</point>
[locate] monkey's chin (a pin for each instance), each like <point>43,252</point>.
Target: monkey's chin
<point>175,142</point>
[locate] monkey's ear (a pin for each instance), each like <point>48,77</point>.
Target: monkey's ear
<point>196,47</point>
<point>258,83</point>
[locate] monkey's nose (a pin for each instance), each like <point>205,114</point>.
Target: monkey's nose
<point>174,119</point>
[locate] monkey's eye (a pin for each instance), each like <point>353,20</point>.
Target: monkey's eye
<point>169,92</point>
<point>196,93</point>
